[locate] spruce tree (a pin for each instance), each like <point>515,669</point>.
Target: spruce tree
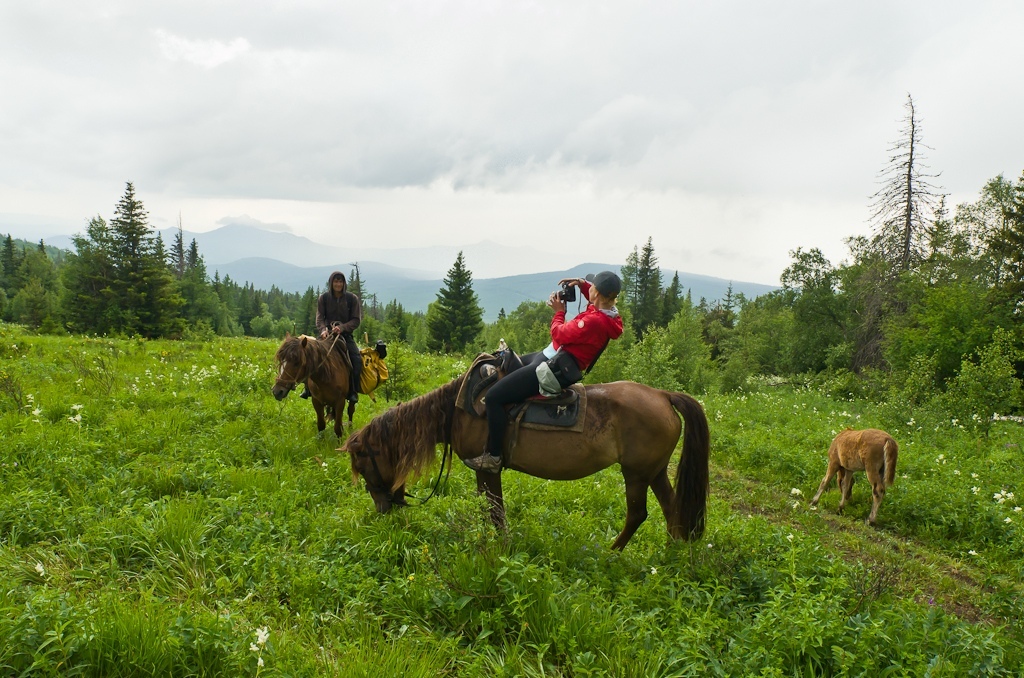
<point>147,302</point>
<point>10,260</point>
<point>644,289</point>
<point>455,319</point>
<point>671,301</point>
<point>355,282</point>
<point>89,280</point>
<point>178,253</point>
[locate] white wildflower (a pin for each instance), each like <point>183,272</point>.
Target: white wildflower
<point>75,408</point>
<point>790,537</point>
<point>40,569</point>
<point>259,662</point>
<point>974,475</point>
<point>654,570</point>
<point>972,552</point>
<point>795,492</point>
<point>1008,519</point>
<point>975,490</point>
<point>262,635</point>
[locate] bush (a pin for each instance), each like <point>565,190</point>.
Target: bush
<point>987,387</point>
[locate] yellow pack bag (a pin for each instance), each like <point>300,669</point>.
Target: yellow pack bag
<point>375,370</point>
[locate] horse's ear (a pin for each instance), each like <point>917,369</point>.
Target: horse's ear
<point>287,335</point>
<point>304,341</point>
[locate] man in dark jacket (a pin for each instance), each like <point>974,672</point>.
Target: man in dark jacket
<point>338,311</point>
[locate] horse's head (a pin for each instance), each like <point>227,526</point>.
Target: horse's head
<point>375,469</point>
<point>291,366</point>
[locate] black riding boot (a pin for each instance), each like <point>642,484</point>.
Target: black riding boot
<point>353,389</point>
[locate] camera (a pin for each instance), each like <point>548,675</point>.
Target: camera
<point>567,293</point>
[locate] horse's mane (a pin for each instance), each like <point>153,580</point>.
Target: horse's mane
<point>318,356</point>
<point>407,434</point>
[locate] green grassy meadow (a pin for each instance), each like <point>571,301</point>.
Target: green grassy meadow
<point>161,514</point>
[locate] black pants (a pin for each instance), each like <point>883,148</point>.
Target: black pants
<point>514,387</point>
<point>355,357</point>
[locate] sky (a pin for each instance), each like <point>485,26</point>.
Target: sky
<point>729,133</point>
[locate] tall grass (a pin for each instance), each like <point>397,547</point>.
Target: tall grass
<point>161,514</point>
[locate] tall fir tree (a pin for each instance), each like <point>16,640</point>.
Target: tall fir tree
<point>10,260</point>
<point>355,282</point>
<point>455,319</point>
<point>148,303</point>
<point>644,289</point>
<point>178,252</point>
<point>671,301</point>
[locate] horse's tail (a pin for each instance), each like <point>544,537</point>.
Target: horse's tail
<point>690,498</point>
<point>891,451</point>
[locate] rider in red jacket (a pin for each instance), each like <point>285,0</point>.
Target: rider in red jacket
<point>583,337</point>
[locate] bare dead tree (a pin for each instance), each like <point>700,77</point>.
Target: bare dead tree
<point>903,208</point>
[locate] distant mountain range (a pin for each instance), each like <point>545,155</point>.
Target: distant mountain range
<point>388,282</point>
<point>413,276</point>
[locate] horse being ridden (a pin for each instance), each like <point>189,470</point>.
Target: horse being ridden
<point>630,424</point>
<point>324,370</point>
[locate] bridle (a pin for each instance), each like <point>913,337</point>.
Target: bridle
<point>389,494</point>
<point>295,381</point>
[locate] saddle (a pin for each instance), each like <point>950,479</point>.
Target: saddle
<point>565,412</point>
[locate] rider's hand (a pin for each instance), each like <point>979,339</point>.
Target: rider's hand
<point>336,329</point>
<point>556,304</point>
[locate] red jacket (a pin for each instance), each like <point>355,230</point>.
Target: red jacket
<point>587,334</point>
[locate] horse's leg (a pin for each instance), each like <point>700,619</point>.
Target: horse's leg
<point>833,467</point>
<point>663,491</point>
<point>636,510</point>
<point>845,487</point>
<point>337,417</point>
<point>321,424</point>
<point>490,484</point>
<point>877,490</point>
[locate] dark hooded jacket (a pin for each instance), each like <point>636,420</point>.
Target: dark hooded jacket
<point>344,309</point>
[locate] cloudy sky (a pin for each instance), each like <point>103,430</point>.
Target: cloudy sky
<point>728,132</point>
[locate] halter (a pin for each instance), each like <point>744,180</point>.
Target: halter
<point>389,494</point>
<point>294,382</point>
<point>327,354</point>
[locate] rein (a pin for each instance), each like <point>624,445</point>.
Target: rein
<point>446,455</point>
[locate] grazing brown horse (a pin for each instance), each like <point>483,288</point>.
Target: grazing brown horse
<point>629,424</point>
<point>324,370</point>
<point>870,450</point>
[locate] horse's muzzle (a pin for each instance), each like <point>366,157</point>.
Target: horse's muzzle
<point>280,392</point>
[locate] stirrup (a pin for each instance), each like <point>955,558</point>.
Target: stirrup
<point>485,462</point>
